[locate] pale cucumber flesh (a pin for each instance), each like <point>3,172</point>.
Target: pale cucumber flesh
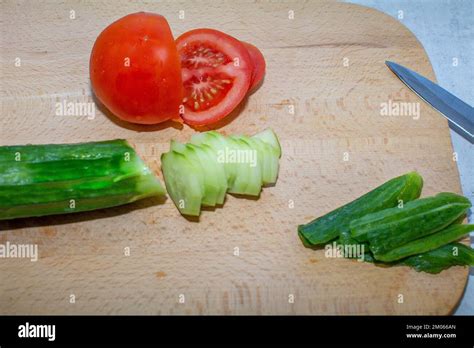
<point>183,182</point>
<point>222,164</point>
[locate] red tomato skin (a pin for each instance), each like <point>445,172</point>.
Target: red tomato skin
<point>259,66</point>
<point>135,69</point>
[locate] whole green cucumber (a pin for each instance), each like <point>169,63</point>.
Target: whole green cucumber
<point>430,242</point>
<point>37,180</point>
<point>391,228</point>
<point>328,227</point>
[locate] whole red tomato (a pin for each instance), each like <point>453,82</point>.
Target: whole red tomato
<point>135,69</point>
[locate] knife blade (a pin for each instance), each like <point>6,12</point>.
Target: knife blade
<point>459,114</point>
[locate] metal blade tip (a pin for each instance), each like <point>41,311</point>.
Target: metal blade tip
<point>390,64</point>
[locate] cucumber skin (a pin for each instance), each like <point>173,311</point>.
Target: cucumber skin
<point>437,260</point>
<point>428,243</point>
<point>391,228</point>
<point>96,175</point>
<point>345,238</point>
<point>328,227</point>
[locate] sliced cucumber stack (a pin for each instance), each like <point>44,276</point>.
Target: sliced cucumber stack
<point>200,173</point>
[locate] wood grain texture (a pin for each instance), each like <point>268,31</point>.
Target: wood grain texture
<point>337,110</point>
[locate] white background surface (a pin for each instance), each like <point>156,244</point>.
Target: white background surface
<point>446,30</point>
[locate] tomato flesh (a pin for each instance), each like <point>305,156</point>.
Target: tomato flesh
<point>135,69</point>
<point>216,74</point>
<point>205,92</point>
<point>204,85</point>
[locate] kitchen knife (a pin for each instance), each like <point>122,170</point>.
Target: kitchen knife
<point>459,114</point>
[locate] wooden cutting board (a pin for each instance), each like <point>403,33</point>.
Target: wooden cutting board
<point>325,85</point>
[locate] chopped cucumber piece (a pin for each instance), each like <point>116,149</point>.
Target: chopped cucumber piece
<point>269,137</point>
<point>434,261</point>
<point>271,162</point>
<point>261,156</point>
<point>214,164</point>
<point>209,170</point>
<point>248,160</point>
<point>220,177</point>
<point>183,182</point>
<point>219,144</point>
<point>205,173</point>
<point>242,175</point>
<point>428,243</point>
<point>328,227</point>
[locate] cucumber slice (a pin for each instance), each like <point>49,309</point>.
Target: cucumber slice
<point>271,162</point>
<point>220,177</point>
<point>268,136</point>
<point>228,155</point>
<point>183,182</point>
<point>199,160</point>
<point>264,152</point>
<point>177,146</point>
<point>215,164</point>
<point>209,170</point>
<point>250,162</point>
<point>219,144</point>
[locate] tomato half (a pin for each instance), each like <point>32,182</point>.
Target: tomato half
<point>216,74</point>
<point>135,69</point>
<point>259,66</point>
